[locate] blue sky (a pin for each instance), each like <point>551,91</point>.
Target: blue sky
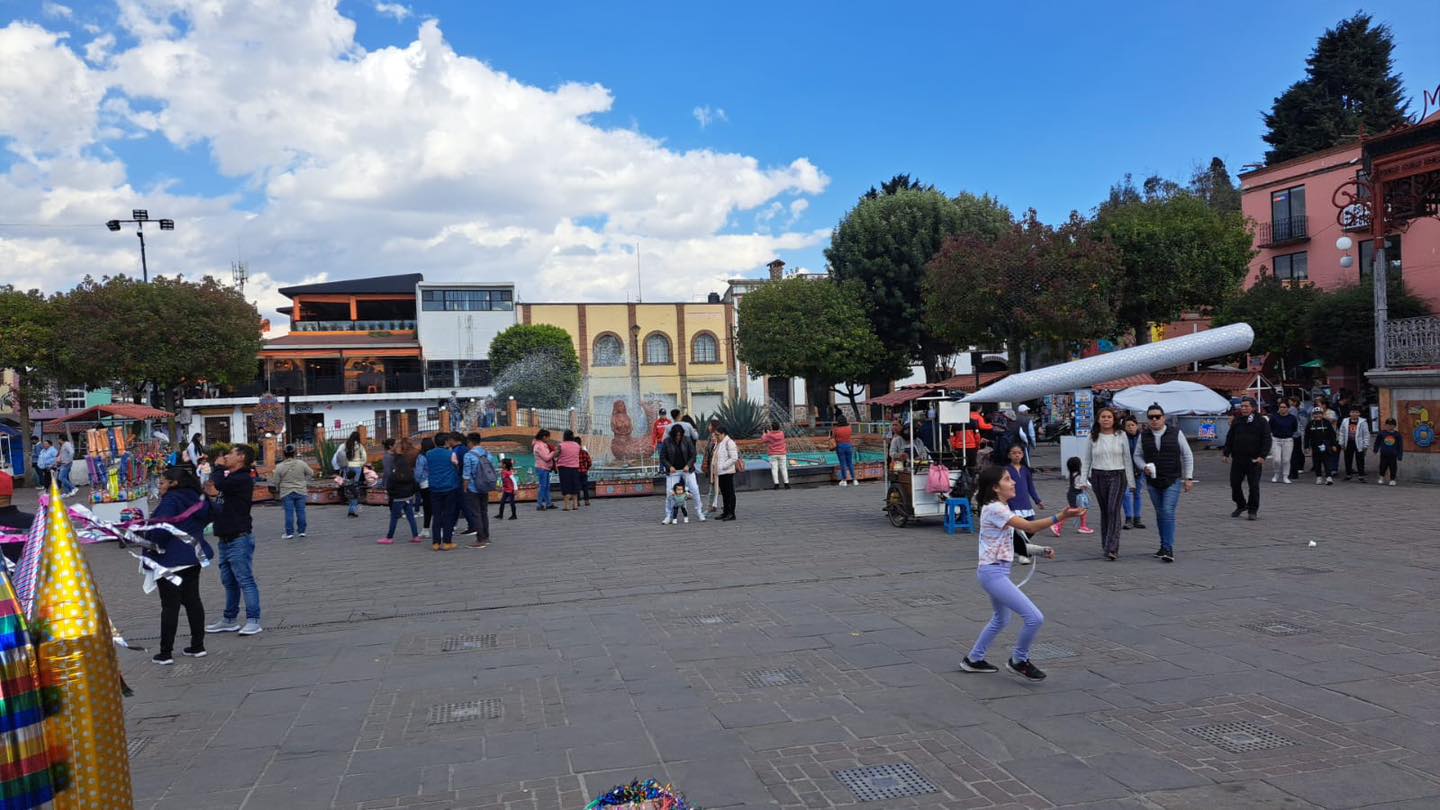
<point>1041,105</point>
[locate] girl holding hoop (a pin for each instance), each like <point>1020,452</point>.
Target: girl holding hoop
<point>997,551</point>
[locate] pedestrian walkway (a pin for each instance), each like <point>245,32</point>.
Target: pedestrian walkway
<point>765,663</point>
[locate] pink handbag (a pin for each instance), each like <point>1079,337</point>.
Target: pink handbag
<point>938,479</point>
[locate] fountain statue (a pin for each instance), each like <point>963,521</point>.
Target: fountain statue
<point>625,447</point>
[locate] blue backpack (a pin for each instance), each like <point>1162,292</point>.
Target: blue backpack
<point>486,475</point>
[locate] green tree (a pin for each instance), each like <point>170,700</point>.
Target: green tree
<point>1034,283</point>
<point>27,347</point>
<point>1213,185</point>
<point>1176,252</point>
<point>884,244</point>
<point>1279,312</point>
<point>168,333</point>
<point>896,184</point>
<point>810,328</point>
<point>1342,322</point>
<point>1350,88</point>
<point>536,364</point>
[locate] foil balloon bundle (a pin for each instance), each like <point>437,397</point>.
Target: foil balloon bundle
<point>647,795</point>
<point>77,662</point>
<point>26,780</point>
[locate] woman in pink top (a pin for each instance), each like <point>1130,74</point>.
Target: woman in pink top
<point>544,463</point>
<point>774,439</point>
<point>842,439</point>
<point>567,460</point>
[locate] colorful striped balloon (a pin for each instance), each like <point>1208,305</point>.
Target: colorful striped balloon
<point>29,566</point>
<point>77,660</point>
<point>25,778</point>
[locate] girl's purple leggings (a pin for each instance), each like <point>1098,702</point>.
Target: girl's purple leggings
<point>1005,597</point>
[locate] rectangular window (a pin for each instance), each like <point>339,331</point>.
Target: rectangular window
<point>474,372</point>
<point>440,374</point>
<point>467,300</point>
<point>1292,266</point>
<point>75,398</point>
<point>1287,214</point>
<point>1392,257</point>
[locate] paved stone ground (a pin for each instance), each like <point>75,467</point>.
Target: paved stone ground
<point>755,663</point>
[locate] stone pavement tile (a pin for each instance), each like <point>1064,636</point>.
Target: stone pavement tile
<point>216,770</point>
<point>1041,704</point>
<point>1079,735</point>
<point>631,753</point>
<point>1330,705</point>
<point>359,787</point>
<point>744,715</point>
<point>1404,663</point>
<point>1001,741</point>
<point>315,793</point>
<point>1257,795</point>
<point>873,724</point>
<point>1334,672</point>
<point>1184,690</point>
<point>923,707</point>
<point>1406,732</point>
<point>1146,772</point>
<point>418,755</point>
<point>538,765</point>
<point>1062,778</point>
<point>677,744</point>
<point>250,732</point>
<point>816,708</point>
<point>902,675</point>
<point>289,768</point>
<point>318,737</point>
<point>865,656</point>
<point>785,735</point>
<point>719,782</point>
<point>218,800</point>
<point>1358,786</point>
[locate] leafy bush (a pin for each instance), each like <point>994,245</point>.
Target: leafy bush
<point>743,418</point>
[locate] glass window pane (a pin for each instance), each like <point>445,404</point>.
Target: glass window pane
<point>657,350</point>
<point>1282,267</point>
<point>1299,266</point>
<point>1297,201</point>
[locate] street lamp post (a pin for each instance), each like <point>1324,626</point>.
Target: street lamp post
<point>138,218</point>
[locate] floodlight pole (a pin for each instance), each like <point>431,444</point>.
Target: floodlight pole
<point>138,218</point>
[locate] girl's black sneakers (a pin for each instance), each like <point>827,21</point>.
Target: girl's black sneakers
<point>977,666</point>
<point>1025,669</point>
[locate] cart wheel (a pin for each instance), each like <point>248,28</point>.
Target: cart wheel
<point>895,508</point>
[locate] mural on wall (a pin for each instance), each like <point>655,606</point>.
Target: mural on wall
<point>1417,424</point>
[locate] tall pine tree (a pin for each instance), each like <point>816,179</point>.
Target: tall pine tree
<point>1350,87</point>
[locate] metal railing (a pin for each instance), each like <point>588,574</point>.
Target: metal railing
<point>353,326</point>
<point>1284,231</point>
<point>1413,341</point>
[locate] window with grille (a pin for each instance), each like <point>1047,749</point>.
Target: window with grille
<point>466,300</point>
<point>706,349</point>
<point>657,350</point>
<point>609,351</point>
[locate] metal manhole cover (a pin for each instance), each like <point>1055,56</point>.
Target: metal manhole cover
<point>928,600</point>
<point>1049,651</point>
<point>486,641</point>
<point>489,709</point>
<point>878,782</point>
<point>1277,628</point>
<point>708,620</point>
<point>1304,570</point>
<point>134,745</point>
<point>1240,737</point>
<point>761,678</point>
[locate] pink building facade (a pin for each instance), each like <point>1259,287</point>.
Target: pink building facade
<point>1292,206</point>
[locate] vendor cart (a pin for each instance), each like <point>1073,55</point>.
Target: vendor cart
<point>908,496</point>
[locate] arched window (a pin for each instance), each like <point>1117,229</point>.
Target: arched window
<point>609,351</point>
<point>705,349</point>
<point>657,350</point>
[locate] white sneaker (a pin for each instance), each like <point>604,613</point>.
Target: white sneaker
<point>302,534</point>
<point>1275,479</point>
<point>687,518</point>
<point>1288,481</point>
<point>251,628</point>
<point>222,626</point>
<point>1319,480</point>
<point>424,534</point>
<point>288,537</point>
<point>1392,483</point>
<point>666,521</point>
<point>1329,479</point>
<point>842,483</point>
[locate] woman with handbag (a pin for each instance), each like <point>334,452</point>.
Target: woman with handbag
<point>726,463</point>
<point>842,441</point>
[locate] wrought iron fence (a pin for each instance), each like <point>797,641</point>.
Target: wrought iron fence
<point>1284,231</point>
<point>1413,341</point>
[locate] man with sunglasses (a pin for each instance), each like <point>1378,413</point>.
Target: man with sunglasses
<point>1169,467</point>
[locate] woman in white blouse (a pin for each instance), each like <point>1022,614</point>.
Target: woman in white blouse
<point>1108,472</point>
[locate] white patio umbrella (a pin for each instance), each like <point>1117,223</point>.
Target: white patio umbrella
<point>1177,397</point>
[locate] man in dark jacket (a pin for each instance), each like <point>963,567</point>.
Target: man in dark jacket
<point>12,520</point>
<point>232,485</point>
<point>1247,445</point>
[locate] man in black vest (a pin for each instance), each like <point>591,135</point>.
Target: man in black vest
<point>1169,468</point>
<point>1247,445</point>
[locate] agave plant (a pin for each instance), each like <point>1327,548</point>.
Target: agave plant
<point>742,418</point>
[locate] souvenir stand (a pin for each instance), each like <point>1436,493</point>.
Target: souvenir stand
<point>909,494</point>
<point>121,470</point>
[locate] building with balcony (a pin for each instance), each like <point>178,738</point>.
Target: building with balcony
<point>365,350</point>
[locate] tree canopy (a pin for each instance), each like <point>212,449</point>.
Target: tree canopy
<point>1342,322</point>
<point>27,346</point>
<point>1176,251</point>
<point>1033,283</point>
<point>1350,88</point>
<point>884,245</point>
<point>536,364</point>
<point>1279,312</point>
<point>810,328</point>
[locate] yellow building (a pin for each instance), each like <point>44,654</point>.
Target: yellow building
<point>684,351</point>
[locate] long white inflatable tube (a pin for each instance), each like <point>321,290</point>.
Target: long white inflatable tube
<point>1091,371</point>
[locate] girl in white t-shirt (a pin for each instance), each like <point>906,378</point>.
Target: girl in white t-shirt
<point>997,550</point>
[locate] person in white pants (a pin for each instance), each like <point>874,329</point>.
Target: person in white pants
<point>1284,427</point>
<point>778,454</point>
<point>677,456</point>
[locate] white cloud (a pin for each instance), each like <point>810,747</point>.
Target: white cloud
<point>402,159</point>
<point>396,10</point>
<point>98,49</point>
<point>708,115</point>
<point>56,10</point>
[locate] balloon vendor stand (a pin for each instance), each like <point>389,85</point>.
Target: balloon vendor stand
<point>121,478</point>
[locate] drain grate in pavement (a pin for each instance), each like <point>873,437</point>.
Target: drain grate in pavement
<point>761,678</point>
<point>134,745</point>
<point>879,782</point>
<point>709,619</point>
<point>489,709</point>
<point>926,600</point>
<point>485,641</point>
<point>1049,651</point>
<point>1303,570</point>
<point>1240,737</point>
<point>1277,628</point>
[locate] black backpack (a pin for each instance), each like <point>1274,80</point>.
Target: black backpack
<point>401,483</point>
